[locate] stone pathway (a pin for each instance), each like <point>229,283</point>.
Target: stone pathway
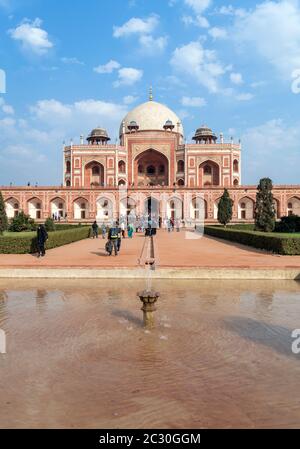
<point>172,250</point>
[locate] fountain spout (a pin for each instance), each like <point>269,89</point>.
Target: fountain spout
<point>149,299</point>
<point>148,296</point>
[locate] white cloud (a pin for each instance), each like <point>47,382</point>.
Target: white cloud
<point>144,28</point>
<point>153,45</point>
<point>263,143</point>
<point>34,143</point>
<point>8,109</point>
<point>7,121</point>
<point>198,5</point>
<point>193,101</point>
<point>32,37</point>
<point>51,110</point>
<point>195,61</point>
<point>198,20</point>
<point>217,33</point>
<point>129,99</point>
<point>236,78</point>
<point>71,61</point>
<point>137,26</point>
<point>272,30</point>
<point>244,97</point>
<point>127,76</point>
<point>232,11</point>
<point>109,67</point>
<point>257,84</point>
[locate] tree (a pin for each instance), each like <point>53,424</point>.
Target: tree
<point>49,225</point>
<point>22,222</point>
<point>264,207</point>
<point>3,216</point>
<point>225,208</point>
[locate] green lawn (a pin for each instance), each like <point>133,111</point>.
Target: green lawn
<point>269,234</point>
<point>250,228</point>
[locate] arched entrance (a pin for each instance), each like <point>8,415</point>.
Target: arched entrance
<point>104,210</point>
<point>277,208</point>
<point>35,208</point>
<point>209,174</point>
<point>216,208</point>
<point>152,206</point>
<point>175,208</point>
<point>128,208</point>
<point>94,174</point>
<point>57,208</point>
<point>246,209</point>
<point>12,207</point>
<point>293,206</point>
<point>81,209</point>
<point>151,168</point>
<point>198,209</point>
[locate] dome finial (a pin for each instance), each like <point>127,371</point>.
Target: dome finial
<point>150,94</point>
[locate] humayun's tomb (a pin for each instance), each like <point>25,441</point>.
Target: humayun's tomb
<point>152,160</point>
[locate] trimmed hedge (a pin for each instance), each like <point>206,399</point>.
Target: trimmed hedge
<point>28,244</point>
<point>284,245</point>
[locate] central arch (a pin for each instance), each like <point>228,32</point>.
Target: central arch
<point>151,168</point>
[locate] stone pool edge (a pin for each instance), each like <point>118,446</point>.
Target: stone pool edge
<point>159,273</point>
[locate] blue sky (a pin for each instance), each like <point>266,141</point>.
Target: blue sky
<point>71,66</point>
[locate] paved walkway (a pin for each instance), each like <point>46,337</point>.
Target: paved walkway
<point>172,250</point>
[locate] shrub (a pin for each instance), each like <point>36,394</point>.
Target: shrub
<point>277,244</point>
<point>14,244</point>
<point>242,227</point>
<point>3,216</point>
<point>49,225</point>
<point>290,223</point>
<point>22,222</point>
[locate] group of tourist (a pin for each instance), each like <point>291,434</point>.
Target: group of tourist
<point>114,233</point>
<point>117,230</point>
<point>56,216</point>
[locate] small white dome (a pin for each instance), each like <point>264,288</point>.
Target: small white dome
<point>151,116</point>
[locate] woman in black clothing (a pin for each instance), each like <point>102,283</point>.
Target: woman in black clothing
<point>42,236</point>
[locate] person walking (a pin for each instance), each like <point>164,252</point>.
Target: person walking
<point>42,236</point>
<point>130,230</point>
<point>123,229</point>
<point>103,230</point>
<point>95,228</point>
<point>169,225</point>
<point>113,236</point>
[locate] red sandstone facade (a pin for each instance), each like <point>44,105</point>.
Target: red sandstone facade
<point>102,181</point>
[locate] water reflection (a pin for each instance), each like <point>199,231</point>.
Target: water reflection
<point>219,356</point>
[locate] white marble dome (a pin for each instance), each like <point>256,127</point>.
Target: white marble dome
<point>151,116</point>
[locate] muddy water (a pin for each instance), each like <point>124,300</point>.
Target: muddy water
<point>220,356</point>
